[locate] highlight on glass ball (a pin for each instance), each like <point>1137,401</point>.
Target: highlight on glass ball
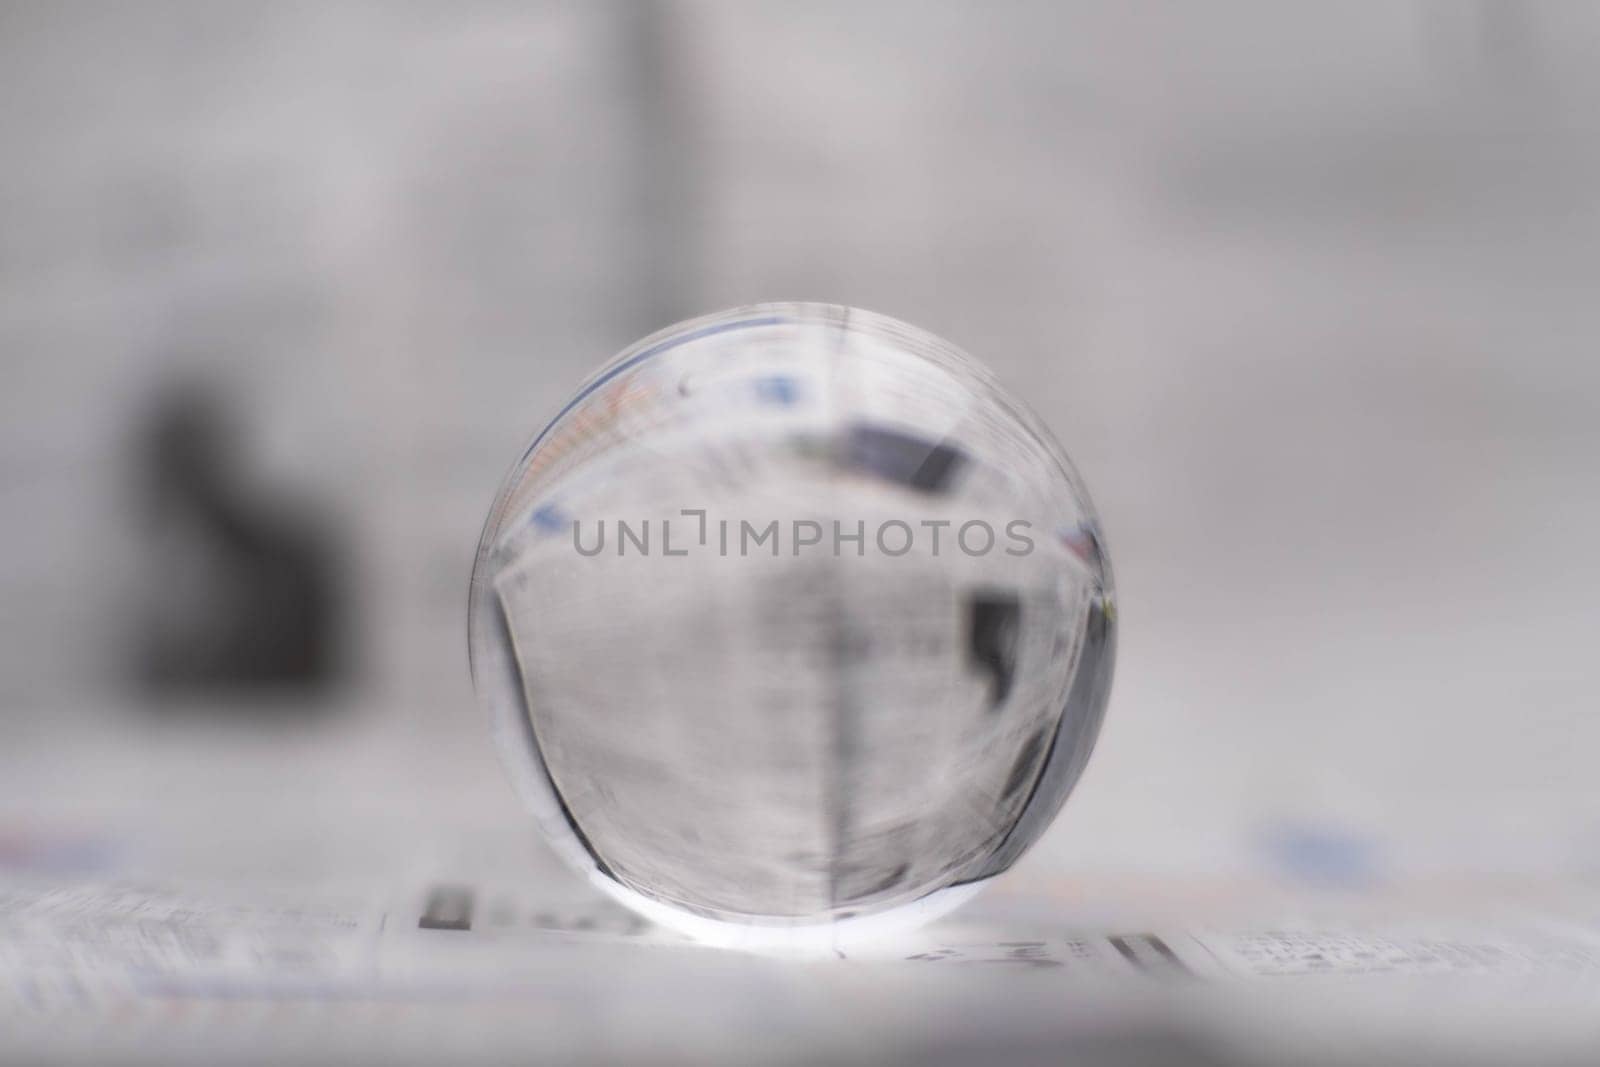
<point>794,627</point>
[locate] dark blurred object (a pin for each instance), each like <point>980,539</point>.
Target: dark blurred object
<point>236,589</point>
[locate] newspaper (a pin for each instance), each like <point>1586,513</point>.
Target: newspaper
<point>479,971</point>
<point>353,894</point>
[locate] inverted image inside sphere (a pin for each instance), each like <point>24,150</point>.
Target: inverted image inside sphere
<point>791,617</point>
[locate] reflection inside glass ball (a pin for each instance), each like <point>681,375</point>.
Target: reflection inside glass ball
<point>792,625</point>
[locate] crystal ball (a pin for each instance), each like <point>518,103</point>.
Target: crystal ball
<point>793,626</point>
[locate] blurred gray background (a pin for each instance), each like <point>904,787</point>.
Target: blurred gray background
<point>1308,291</point>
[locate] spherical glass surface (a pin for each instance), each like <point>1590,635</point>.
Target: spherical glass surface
<point>793,626</point>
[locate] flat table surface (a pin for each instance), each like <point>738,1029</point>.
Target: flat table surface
<point>181,890</point>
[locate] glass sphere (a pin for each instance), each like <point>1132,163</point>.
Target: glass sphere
<point>793,626</point>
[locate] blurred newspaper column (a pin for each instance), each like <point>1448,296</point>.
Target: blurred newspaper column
<point>390,238</point>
